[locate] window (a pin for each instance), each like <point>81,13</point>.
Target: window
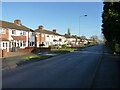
<point>21,44</point>
<point>24,33</point>
<point>42,35</point>
<point>18,44</point>
<point>15,44</point>
<point>6,45</point>
<point>32,43</point>
<point>24,43</point>
<point>37,34</point>
<point>20,33</point>
<point>2,31</point>
<point>3,45</point>
<point>13,32</point>
<point>32,34</point>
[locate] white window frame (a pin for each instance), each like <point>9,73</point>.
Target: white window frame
<point>2,31</point>
<point>14,33</point>
<point>24,33</point>
<point>42,35</point>
<point>32,33</point>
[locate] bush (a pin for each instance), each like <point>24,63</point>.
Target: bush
<point>64,46</point>
<point>51,46</point>
<point>117,48</point>
<point>113,47</point>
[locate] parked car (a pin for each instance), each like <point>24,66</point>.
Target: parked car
<point>69,45</point>
<point>57,46</point>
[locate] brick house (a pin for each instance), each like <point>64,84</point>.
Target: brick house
<point>47,37</point>
<point>15,35</point>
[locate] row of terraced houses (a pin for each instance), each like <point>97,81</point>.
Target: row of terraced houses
<point>17,35</point>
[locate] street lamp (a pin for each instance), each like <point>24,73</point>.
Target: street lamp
<point>79,26</point>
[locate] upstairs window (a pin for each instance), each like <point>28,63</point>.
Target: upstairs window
<point>13,32</point>
<point>32,34</point>
<point>42,35</point>
<point>20,33</point>
<point>2,31</point>
<point>24,33</point>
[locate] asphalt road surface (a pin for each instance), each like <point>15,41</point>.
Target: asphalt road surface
<point>73,70</point>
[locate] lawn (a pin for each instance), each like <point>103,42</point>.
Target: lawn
<point>62,51</point>
<point>33,57</point>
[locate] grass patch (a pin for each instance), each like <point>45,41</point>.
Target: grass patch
<point>69,49</point>
<point>59,51</point>
<point>62,51</point>
<point>33,57</point>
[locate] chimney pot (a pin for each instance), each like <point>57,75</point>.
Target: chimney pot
<point>41,27</point>
<point>54,30</point>
<point>18,22</point>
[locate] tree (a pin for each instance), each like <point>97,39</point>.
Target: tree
<point>111,24</point>
<point>111,21</point>
<point>83,37</point>
<point>94,38</point>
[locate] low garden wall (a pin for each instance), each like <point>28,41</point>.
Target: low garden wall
<point>3,53</point>
<point>33,50</point>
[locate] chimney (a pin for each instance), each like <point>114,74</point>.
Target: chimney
<point>18,22</point>
<point>41,27</point>
<point>54,30</point>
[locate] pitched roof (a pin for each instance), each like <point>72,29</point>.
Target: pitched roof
<point>10,25</point>
<point>47,32</point>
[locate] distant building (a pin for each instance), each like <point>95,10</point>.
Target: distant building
<point>69,31</point>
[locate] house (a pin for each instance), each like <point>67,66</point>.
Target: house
<point>15,35</point>
<point>47,37</point>
<point>71,39</point>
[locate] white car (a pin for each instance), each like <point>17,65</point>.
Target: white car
<point>57,46</point>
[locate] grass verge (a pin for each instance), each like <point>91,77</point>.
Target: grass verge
<point>34,57</point>
<point>62,51</point>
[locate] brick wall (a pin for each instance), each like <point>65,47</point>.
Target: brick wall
<point>40,38</point>
<point>25,50</point>
<point>0,52</point>
<point>33,50</point>
<point>3,53</point>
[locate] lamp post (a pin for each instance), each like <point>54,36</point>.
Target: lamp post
<point>79,26</point>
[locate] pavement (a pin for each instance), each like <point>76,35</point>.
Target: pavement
<point>108,73</point>
<point>91,67</point>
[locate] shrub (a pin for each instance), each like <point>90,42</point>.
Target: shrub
<point>117,48</point>
<point>64,46</point>
<point>51,46</point>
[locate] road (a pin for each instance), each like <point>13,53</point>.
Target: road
<point>73,70</point>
